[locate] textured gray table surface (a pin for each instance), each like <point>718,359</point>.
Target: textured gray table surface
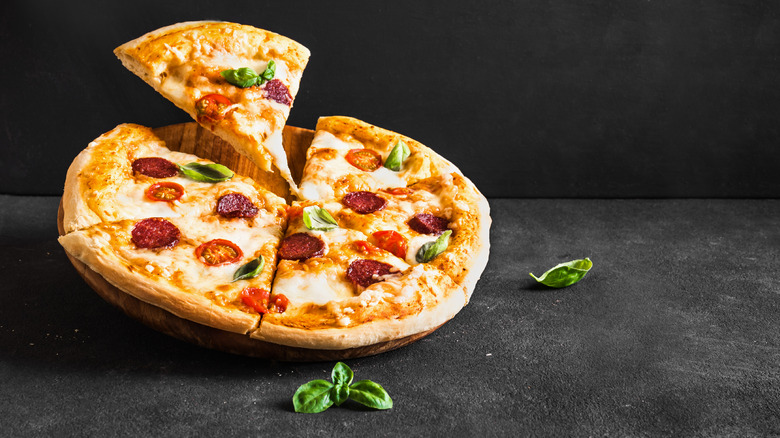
<point>676,331</point>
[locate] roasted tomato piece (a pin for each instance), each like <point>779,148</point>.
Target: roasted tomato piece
<point>367,160</point>
<point>218,252</point>
<point>212,108</point>
<point>391,241</point>
<point>256,298</point>
<point>164,191</point>
<point>365,247</point>
<point>280,303</point>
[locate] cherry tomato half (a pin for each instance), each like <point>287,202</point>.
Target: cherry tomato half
<point>218,252</point>
<point>256,298</point>
<point>212,108</point>
<point>164,191</point>
<point>391,241</point>
<point>280,303</point>
<point>366,248</point>
<point>364,159</point>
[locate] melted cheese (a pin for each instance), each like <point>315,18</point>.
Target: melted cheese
<point>308,287</point>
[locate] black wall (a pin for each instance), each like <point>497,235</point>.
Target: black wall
<point>629,98</point>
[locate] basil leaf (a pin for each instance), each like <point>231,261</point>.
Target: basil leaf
<point>268,73</point>
<point>427,252</point>
<point>206,172</point>
<point>397,156</point>
<point>370,394</point>
<point>242,77</point>
<point>313,397</point>
<point>565,274</point>
<point>318,219</point>
<point>250,270</point>
<point>339,394</point>
<point>342,374</point>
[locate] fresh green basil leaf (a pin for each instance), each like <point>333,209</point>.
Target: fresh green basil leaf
<point>397,156</point>
<point>206,172</point>
<point>339,394</point>
<point>565,274</point>
<point>370,394</point>
<point>249,270</point>
<point>313,397</point>
<point>342,374</point>
<point>427,252</point>
<point>318,219</point>
<point>268,73</point>
<point>241,77</point>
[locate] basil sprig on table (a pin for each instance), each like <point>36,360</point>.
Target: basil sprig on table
<point>397,156</point>
<point>246,77</point>
<point>318,395</point>
<point>249,270</point>
<point>565,274</point>
<point>206,172</point>
<point>427,252</point>
<point>318,219</point>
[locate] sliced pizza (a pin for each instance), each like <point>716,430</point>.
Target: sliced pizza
<point>349,155</point>
<point>236,80</point>
<point>128,173</point>
<point>340,291</point>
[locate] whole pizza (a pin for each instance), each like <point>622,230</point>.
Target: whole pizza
<point>382,240</point>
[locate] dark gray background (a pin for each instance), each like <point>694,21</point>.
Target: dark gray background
<point>530,98</point>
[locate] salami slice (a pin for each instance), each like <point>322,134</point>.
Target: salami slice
<point>155,233</point>
<point>425,223</point>
<point>235,205</point>
<point>364,202</point>
<point>155,167</point>
<point>278,92</point>
<point>365,272</point>
<point>301,246</point>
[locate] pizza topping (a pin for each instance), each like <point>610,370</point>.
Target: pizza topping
<point>235,205</point>
<point>365,272</point>
<point>391,241</point>
<point>218,252</point>
<point>164,191</point>
<point>364,202</point>
<point>397,156</point>
<point>426,223</point>
<point>278,92</point>
<point>261,301</point>
<point>398,191</point>
<point>155,233</point>
<point>318,219</point>
<point>250,270</point>
<point>366,248</point>
<point>565,274</point>
<point>155,167</point>
<point>212,108</point>
<point>430,250</point>
<point>301,246</point>
<point>246,77</point>
<point>367,160</point>
<point>212,172</point>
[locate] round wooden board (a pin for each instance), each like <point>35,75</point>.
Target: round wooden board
<point>191,138</point>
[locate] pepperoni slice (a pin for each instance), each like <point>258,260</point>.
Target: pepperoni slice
<point>391,241</point>
<point>155,167</point>
<point>365,159</point>
<point>364,202</point>
<point>425,223</point>
<point>278,92</point>
<point>301,246</point>
<point>218,252</point>
<point>212,108</point>
<point>155,233</point>
<point>256,298</point>
<point>235,205</point>
<point>164,191</point>
<point>365,272</point>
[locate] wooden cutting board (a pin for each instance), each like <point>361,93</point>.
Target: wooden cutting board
<point>191,138</point>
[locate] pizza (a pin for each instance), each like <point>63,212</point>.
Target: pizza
<point>235,80</point>
<point>384,239</point>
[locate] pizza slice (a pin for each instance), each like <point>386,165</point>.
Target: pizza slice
<point>128,173</point>
<point>198,268</point>
<point>340,291</point>
<point>236,80</point>
<point>348,155</point>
